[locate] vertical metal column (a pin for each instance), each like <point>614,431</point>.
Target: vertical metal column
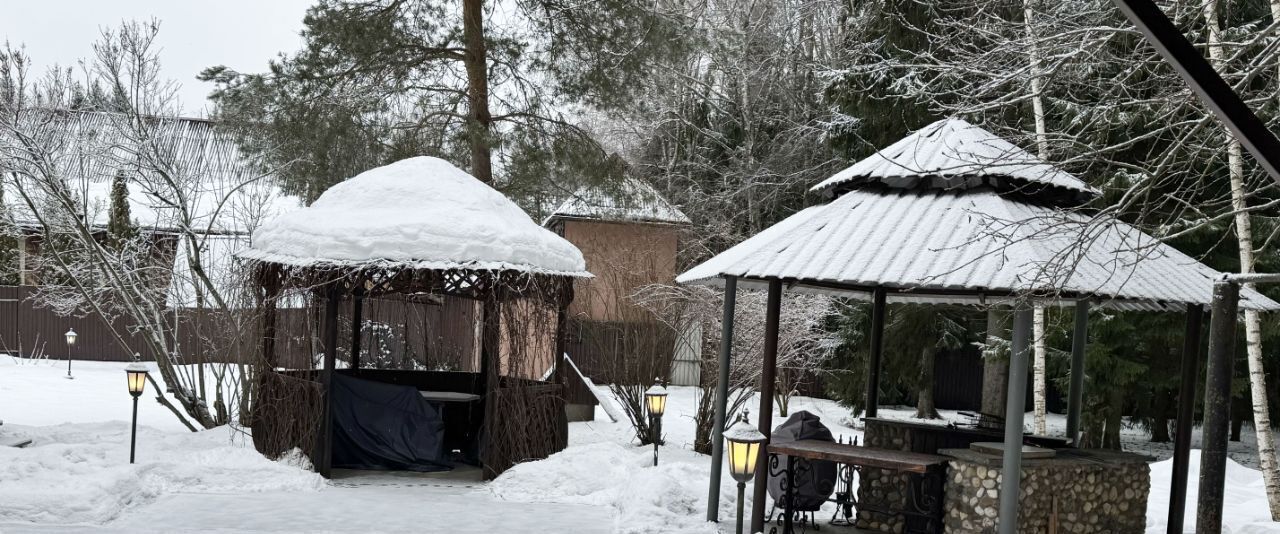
<point>1075,395</point>
<point>1186,415</point>
<point>722,398</point>
<point>877,351</point>
<point>766,401</point>
<point>1217,406</point>
<point>1011,474</point>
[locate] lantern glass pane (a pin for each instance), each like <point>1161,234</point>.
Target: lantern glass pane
<point>137,382</point>
<point>657,404</point>
<point>742,459</point>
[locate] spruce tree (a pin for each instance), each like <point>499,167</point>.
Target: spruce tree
<point>120,227</point>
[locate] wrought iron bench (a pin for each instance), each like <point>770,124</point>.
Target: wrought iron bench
<point>922,510</point>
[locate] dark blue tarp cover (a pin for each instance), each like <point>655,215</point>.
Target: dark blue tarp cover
<point>385,426</point>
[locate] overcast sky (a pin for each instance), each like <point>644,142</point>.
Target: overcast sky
<point>242,34</point>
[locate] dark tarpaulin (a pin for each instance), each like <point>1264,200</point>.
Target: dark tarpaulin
<point>385,426</point>
<point>812,486</point>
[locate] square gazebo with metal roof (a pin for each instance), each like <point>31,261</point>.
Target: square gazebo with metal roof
<point>954,214</point>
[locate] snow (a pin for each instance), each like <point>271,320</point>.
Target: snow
<point>420,212</point>
<point>966,247</point>
<point>76,475</point>
<point>635,201</point>
<point>951,153</point>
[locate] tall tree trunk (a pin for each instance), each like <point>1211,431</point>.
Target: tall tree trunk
<point>1160,417</point>
<point>477,65</point>
<point>1115,420</point>
<point>1252,323</point>
<point>995,373</point>
<point>925,406</point>
<point>1039,351</point>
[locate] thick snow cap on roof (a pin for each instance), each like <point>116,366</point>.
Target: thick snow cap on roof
<point>953,154</point>
<point>421,213</point>
<point>635,201</point>
<point>966,247</point>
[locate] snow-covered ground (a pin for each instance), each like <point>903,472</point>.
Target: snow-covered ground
<point>76,474</point>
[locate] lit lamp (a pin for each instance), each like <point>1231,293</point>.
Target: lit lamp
<point>743,442</point>
<point>137,374</point>
<point>71,340</point>
<point>655,399</point>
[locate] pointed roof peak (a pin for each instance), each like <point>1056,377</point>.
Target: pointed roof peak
<point>954,154</point>
<point>632,201</point>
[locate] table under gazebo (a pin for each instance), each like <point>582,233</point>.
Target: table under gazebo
<point>422,229</point>
<point>953,214</point>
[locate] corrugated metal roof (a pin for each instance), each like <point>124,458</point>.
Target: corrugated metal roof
<point>633,201</point>
<point>966,247</point>
<point>954,154</point>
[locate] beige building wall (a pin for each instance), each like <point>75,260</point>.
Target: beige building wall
<point>623,256</point>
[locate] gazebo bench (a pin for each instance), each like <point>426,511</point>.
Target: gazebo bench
<point>926,475</point>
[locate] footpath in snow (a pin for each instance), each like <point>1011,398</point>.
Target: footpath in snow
<point>76,474</point>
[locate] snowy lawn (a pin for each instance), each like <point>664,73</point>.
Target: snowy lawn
<point>76,474</point>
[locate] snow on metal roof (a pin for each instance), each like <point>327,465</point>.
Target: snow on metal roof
<point>420,213</point>
<point>954,154</point>
<point>966,247</point>
<point>634,201</point>
<point>225,192</point>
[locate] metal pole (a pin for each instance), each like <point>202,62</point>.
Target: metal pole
<point>133,434</point>
<point>767,375</point>
<point>742,490</point>
<point>877,351</point>
<point>654,422</point>
<point>722,402</point>
<point>69,360</point>
<point>1075,396</point>
<point>1217,406</point>
<point>1186,415</point>
<point>1011,473</point>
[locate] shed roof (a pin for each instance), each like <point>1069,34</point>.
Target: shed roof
<point>967,247</point>
<point>632,201</point>
<point>417,213</point>
<point>954,154</point>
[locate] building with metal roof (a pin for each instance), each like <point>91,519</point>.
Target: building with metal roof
<point>632,201</point>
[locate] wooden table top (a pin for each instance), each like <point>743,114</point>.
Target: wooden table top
<point>912,462</point>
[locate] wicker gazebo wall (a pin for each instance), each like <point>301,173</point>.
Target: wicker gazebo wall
<point>524,417</point>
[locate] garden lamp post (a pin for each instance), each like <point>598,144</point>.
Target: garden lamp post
<point>656,400</point>
<point>137,373</point>
<point>743,442</point>
<point>71,340</point>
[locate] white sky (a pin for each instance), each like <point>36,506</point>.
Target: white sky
<point>241,34</point>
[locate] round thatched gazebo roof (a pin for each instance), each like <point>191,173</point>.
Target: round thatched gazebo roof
<point>417,213</point>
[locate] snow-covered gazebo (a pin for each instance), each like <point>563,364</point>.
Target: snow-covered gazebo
<point>425,228</point>
<point>954,214</point>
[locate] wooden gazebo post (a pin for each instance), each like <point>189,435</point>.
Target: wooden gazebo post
<point>722,397</point>
<point>1011,468</point>
<point>1186,418</point>
<point>1075,395</point>
<point>878,297</point>
<point>333,293</point>
<point>767,375</point>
